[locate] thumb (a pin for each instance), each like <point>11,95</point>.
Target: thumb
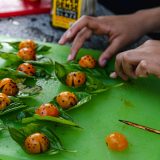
<point>114,47</point>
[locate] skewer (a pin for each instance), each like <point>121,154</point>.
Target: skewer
<point>141,126</point>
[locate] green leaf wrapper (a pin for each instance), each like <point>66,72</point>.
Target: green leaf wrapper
<point>60,120</point>
<point>19,135</point>
<point>42,62</point>
<point>11,73</point>
<point>11,57</point>
<point>2,126</point>
<point>82,98</point>
<point>25,92</point>
<point>16,104</point>
<point>41,48</point>
<point>97,79</point>
<point>19,78</point>
<point>63,118</point>
<point>14,45</point>
<point>44,66</point>
<point>28,115</point>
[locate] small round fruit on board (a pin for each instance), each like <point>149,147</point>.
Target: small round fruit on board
<point>116,141</point>
<point>36,143</point>
<point>66,99</point>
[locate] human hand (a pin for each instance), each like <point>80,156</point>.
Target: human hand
<point>139,62</point>
<point>121,31</point>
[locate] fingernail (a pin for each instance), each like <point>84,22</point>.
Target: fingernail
<point>68,34</point>
<point>103,62</point>
<point>113,75</point>
<point>142,76</point>
<point>70,57</point>
<point>61,41</point>
<point>71,24</point>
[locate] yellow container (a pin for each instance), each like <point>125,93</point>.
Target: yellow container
<point>66,12</point>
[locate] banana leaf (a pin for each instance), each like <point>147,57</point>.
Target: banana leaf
<point>20,134</point>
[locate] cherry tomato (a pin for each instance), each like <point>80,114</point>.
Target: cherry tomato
<point>27,69</point>
<point>27,54</point>
<point>27,44</point>
<point>4,101</point>
<point>87,62</point>
<point>8,87</point>
<point>36,143</point>
<point>66,99</point>
<point>47,110</point>
<point>75,79</point>
<point>117,141</point>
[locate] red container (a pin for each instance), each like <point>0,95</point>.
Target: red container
<point>10,8</point>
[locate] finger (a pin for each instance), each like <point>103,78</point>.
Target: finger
<point>154,69</point>
<point>84,21</point>
<point>109,52</point>
<point>141,70</point>
<point>113,75</point>
<point>78,42</point>
<point>64,39</point>
<point>128,65</point>
<point>118,67</point>
<point>133,56</point>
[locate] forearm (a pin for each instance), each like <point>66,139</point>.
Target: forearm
<point>150,19</point>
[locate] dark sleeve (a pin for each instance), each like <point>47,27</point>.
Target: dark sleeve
<point>128,6</point>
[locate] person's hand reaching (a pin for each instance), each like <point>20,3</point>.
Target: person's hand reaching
<point>139,62</point>
<point>121,31</point>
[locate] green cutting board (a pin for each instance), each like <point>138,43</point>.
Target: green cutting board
<point>137,101</point>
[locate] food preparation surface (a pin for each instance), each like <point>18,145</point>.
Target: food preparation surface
<point>136,101</point>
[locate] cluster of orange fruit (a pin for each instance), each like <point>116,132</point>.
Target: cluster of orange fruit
<point>27,51</point>
<point>7,85</point>
<point>38,142</point>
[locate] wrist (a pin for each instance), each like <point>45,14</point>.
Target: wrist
<point>148,19</point>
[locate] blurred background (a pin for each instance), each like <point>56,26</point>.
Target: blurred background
<point>33,19</point>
